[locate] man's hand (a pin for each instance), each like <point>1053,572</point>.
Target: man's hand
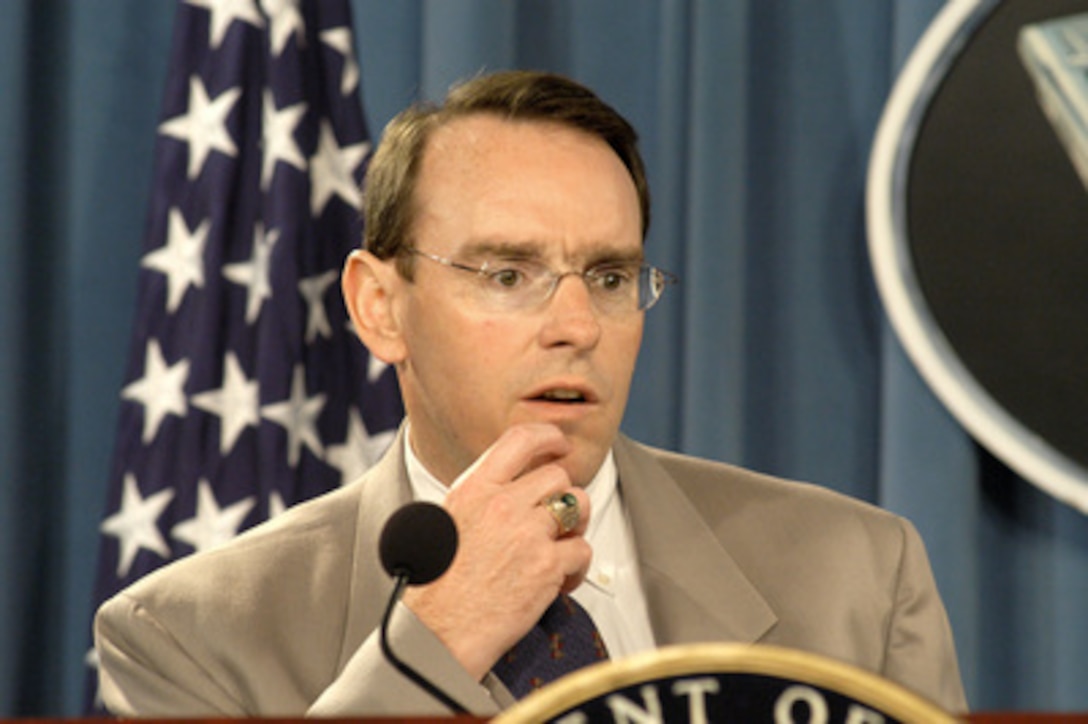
<point>511,560</point>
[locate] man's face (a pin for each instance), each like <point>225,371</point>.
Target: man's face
<point>489,190</point>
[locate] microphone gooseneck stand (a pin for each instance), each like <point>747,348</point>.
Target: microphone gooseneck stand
<point>399,583</point>
<point>417,545</point>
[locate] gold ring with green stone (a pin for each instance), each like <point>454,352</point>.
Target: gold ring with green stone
<point>564,508</point>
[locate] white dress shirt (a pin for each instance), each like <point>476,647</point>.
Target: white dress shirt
<point>612,593</point>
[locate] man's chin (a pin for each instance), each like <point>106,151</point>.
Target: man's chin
<point>583,464</point>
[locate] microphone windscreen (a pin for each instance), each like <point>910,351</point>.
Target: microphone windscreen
<point>419,542</point>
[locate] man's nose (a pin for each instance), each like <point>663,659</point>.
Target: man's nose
<point>572,316</point>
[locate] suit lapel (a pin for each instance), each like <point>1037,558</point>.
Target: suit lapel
<point>382,490</point>
<point>695,591</point>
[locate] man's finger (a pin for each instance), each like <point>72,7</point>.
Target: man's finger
<point>578,554</point>
<point>520,448</point>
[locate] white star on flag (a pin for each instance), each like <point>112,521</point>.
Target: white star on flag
<point>237,403</point>
<point>331,170</point>
<point>204,125</point>
<point>313,291</point>
<point>255,273</point>
<point>298,416</point>
<point>134,525</point>
<point>339,39</point>
<point>181,258</point>
<point>279,137</point>
<point>160,390</point>
<point>90,660</point>
<point>359,451</point>
<point>285,19</point>
<point>212,526</point>
<point>276,504</point>
<point>374,368</point>
<point>225,12</point>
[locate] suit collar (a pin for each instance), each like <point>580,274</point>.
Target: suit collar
<point>381,491</point>
<point>695,591</point>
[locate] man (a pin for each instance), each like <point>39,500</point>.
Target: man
<point>503,276</point>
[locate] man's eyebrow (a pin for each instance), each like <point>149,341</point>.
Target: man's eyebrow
<point>504,249</point>
<point>595,255</point>
<point>605,255</point>
<point>615,256</point>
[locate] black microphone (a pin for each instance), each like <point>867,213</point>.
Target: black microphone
<point>417,545</point>
<point>418,542</point>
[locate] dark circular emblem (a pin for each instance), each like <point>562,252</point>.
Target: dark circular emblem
<point>978,227</point>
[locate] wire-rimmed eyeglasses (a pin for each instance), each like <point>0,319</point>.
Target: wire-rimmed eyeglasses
<point>514,285</point>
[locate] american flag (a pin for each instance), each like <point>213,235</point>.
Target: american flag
<point>246,390</point>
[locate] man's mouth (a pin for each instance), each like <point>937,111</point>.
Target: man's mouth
<point>565,396</point>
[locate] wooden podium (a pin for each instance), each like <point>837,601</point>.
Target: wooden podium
<point>724,683</point>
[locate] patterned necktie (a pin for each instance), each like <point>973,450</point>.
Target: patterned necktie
<point>564,640</point>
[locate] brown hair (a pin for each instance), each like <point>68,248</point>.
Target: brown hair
<point>391,178</point>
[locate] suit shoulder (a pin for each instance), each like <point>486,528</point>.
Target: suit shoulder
<point>783,533</point>
<point>739,492</point>
<point>260,620</point>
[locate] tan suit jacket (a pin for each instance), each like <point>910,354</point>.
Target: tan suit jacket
<point>282,621</point>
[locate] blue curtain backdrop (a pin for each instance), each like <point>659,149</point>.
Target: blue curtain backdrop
<point>757,118</point>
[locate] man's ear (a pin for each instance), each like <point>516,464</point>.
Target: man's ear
<point>369,285</point>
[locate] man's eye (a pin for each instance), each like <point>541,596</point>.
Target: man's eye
<point>612,279</point>
<point>507,278</point>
